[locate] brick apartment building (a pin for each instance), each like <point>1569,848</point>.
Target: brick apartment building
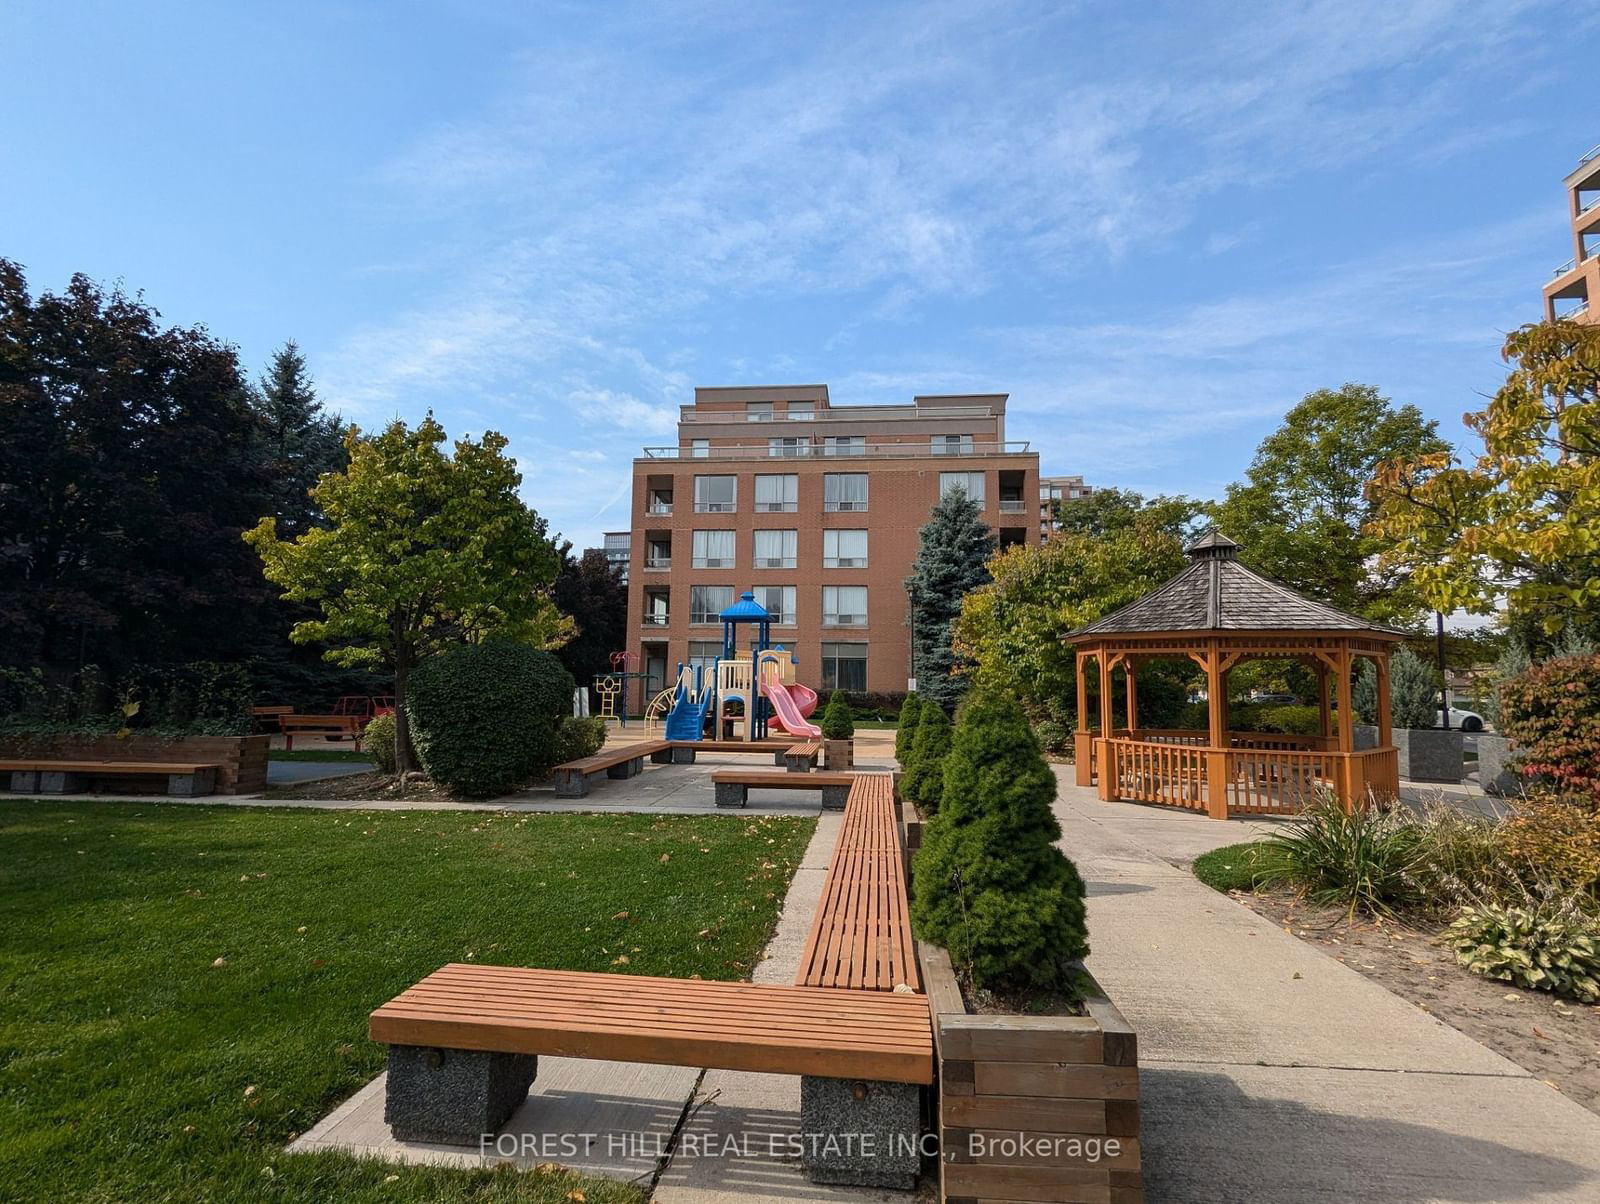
<point>1574,292</point>
<point>1058,489</point>
<point>817,508</point>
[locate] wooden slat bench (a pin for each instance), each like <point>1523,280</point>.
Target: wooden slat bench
<point>733,786</point>
<point>267,719</point>
<point>861,935</point>
<point>572,778</point>
<point>46,776</point>
<point>334,727</point>
<point>802,757</point>
<point>684,751</point>
<point>464,1045</point>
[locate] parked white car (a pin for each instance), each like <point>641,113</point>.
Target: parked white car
<point>1466,721</point>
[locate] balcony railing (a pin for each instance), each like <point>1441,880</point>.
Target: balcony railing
<point>906,451</point>
<point>659,509</point>
<point>658,562</point>
<point>656,619</point>
<point>1564,268</point>
<point>1576,312</point>
<point>1582,209</point>
<point>1013,505</point>
<point>842,414</point>
<point>1594,153</point>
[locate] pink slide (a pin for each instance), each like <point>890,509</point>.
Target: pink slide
<point>791,705</point>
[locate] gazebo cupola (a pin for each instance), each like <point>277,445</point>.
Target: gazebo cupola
<point>1218,612</point>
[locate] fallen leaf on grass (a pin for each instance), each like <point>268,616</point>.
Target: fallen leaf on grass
<point>220,962</point>
<point>666,857</point>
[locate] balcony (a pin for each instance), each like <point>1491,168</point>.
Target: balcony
<point>659,509</point>
<point>1575,314</point>
<point>1564,269</point>
<point>1013,505</point>
<point>658,562</point>
<point>895,451</point>
<point>656,619</point>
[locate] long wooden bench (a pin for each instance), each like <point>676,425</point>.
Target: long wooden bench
<point>733,786</point>
<point>802,757</point>
<point>861,935</point>
<point>333,727</point>
<point>684,751</point>
<point>572,778</point>
<point>266,719</point>
<point>47,776</point>
<point>464,1045</point>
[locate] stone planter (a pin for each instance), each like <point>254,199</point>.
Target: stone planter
<point>1033,1108</point>
<point>1431,754</point>
<point>242,760</point>
<point>1366,736</point>
<point>838,754</point>
<point>1494,773</point>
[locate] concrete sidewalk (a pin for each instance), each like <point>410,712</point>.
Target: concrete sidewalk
<point>1270,1072</point>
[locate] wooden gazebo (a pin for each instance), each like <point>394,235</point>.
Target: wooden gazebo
<point>1217,613</point>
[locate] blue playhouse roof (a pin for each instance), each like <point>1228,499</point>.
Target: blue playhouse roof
<point>747,608</point>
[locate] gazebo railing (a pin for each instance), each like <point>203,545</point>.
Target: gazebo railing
<point>1171,772</point>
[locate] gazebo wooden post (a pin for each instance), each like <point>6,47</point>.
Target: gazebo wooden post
<point>1324,710</point>
<point>1385,713</point>
<point>1347,729</point>
<point>1083,737</point>
<point>1133,696</point>
<point>1106,768</point>
<point>1217,774</point>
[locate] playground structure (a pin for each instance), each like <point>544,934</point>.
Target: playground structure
<point>744,691</point>
<point>612,689</point>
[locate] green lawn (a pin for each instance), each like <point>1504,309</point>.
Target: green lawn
<point>1232,867</point>
<point>183,989</point>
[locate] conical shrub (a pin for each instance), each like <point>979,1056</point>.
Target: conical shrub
<point>924,783</point>
<point>990,884</point>
<point>906,730</point>
<point>837,721</point>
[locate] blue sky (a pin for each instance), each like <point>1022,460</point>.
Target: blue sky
<point>1156,226</point>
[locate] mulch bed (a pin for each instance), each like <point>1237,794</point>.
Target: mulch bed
<point>374,787</point>
<point>1556,1040</point>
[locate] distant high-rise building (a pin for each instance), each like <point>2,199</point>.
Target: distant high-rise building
<point>816,507</point>
<point>1575,291</point>
<point>618,546</point>
<point>1053,490</point>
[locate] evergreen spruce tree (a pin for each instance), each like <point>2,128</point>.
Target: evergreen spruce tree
<point>925,781</point>
<point>1413,690</point>
<point>1364,693</point>
<point>951,562</point>
<point>837,722</point>
<point>299,441</point>
<point>906,730</point>
<point>991,885</point>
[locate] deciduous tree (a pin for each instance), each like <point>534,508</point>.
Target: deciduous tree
<point>422,546</point>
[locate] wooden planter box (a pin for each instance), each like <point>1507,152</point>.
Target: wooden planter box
<point>242,760</point>
<point>1033,1108</point>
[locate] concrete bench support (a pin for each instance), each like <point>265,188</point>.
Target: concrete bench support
<point>25,781</point>
<point>626,769</point>
<point>572,784</point>
<point>860,1133</point>
<point>188,785</point>
<point>453,1096</point>
<point>60,783</point>
<point>731,794</point>
<point>662,756</point>
<point>780,758</point>
<point>833,797</point>
<point>682,756</point>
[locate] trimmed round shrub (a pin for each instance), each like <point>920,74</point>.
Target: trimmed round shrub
<point>1552,714</point>
<point>990,884</point>
<point>578,737</point>
<point>378,740</point>
<point>837,723</point>
<point>484,717</point>
<point>924,781</point>
<point>905,731</point>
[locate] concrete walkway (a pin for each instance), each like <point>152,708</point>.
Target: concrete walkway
<point>1272,1073</point>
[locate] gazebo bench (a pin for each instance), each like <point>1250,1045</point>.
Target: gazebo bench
<point>572,778</point>
<point>464,1046</point>
<point>45,776</point>
<point>861,935</point>
<point>802,757</point>
<point>733,786</point>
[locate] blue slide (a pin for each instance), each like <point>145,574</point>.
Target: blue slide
<point>687,720</point>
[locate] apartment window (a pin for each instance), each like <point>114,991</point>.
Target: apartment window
<point>660,502</point>
<point>655,609</point>
<point>713,550</point>
<point>758,411</point>
<point>776,549</point>
<point>844,667</point>
<point>788,446</point>
<point>699,448</point>
<point>801,411</point>
<point>777,493</point>
<point>844,549</point>
<point>779,601</point>
<point>716,495</point>
<point>970,482</point>
<point>658,554</point>
<point>844,491</point>
<point>707,602</point>
<point>844,606</point>
<point>844,445</point>
<point>951,445</point>
<point>703,654</point>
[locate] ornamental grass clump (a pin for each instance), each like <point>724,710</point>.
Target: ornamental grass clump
<point>990,884</point>
<point>1365,861</point>
<point>924,781</point>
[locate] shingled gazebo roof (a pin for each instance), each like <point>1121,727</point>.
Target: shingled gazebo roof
<point>1217,593</point>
